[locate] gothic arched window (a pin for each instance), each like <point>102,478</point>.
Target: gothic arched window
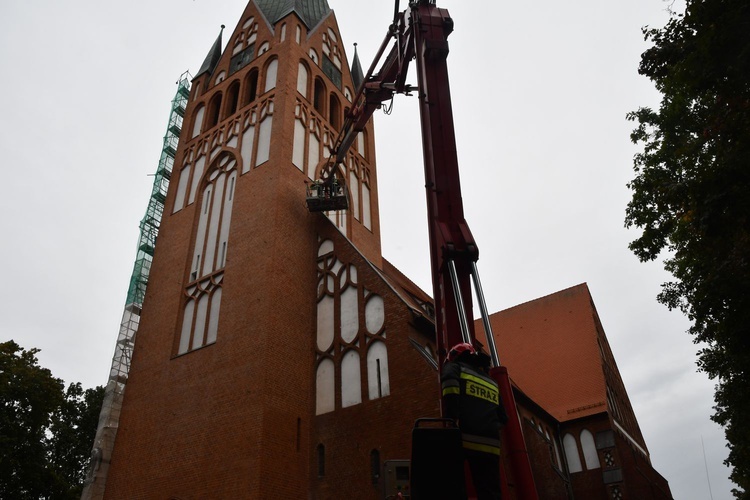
<point>302,78</point>
<point>351,379</point>
<point>378,383</point>
<point>250,90</point>
<point>271,70</point>
<point>198,121</point>
<point>233,99</point>
<point>319,96</point>
<point>571,454</point>
<point>334,112</point>
<point>200,318</point>
<point>590,455</point>
<point>212,114</point>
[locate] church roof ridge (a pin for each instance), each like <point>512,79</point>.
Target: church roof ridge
<point>310,11</point>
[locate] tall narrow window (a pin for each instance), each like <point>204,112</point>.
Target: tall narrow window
<point>354,193</point>
<point>250,87</point>
<point>299,433</point>
<point>271,70</point>
<point>203,296</point>
<point>319,96</point>
<point>590,455</point>
<point>325,380</point>
<point>362,144</point>
<point>214,108</point>
<point>366,213</point>
<point>375,466</point>
<point>351,380</point>
<point>377,371</point>
<point>198,121</point>
<point>321,460</point>
<point>334,112</point>
<point>182,185</point>
<point>233,99</point>
<point>302,80</point>
<point>571,454</point>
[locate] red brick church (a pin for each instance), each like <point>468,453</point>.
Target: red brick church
<point>278,354</point>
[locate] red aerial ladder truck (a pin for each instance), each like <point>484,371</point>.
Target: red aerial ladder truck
<point>420,34</point>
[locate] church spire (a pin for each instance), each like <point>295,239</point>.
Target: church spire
<point>357,74</point>
<point>213,56</point>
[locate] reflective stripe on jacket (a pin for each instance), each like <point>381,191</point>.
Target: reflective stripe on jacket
<point>473,399</point>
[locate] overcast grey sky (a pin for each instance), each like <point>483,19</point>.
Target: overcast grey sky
<point>540,92</point>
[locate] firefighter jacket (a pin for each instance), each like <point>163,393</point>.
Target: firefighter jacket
<point>473,400</point>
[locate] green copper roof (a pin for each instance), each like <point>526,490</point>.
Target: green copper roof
<point>310,11</point>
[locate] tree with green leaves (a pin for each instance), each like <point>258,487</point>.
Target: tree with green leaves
<point>45,433</point>
<point>691,196</point>
<point>71,436</point>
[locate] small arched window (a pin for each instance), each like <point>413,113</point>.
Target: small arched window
<point>302,77</point>
<point>212,115</point>
<point>375,466</point>
<point>324,387</point>
<point>271,70</point>
<point>198,121</point>
<point>334,112</point>
<point>571,454</point>
<point>590,455</point>
<point>250,87</point>
<point>321,452</point>
<point>362,144</point>
<point>319,96</point>
<point>377,370</point>
<point>233,98</point>
<point>351,381</point>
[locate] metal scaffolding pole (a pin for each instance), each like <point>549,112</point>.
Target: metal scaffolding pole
<point>109,417</point>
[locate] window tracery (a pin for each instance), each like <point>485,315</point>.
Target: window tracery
<point>351,340</point>
<point>203,294</point>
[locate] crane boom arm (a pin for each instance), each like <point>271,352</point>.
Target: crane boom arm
<point>421,33</point>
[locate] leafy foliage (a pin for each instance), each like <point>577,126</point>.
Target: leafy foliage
<point>72,434</point>
<point>691,196</point>
<point>45,432</point>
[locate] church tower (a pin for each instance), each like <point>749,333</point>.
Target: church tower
<point>261,356</point>
<point>274,352</point>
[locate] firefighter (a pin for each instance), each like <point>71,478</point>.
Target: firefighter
<point>472,399</point>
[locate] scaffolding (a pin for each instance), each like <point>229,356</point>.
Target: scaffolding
<point>110,414</point>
